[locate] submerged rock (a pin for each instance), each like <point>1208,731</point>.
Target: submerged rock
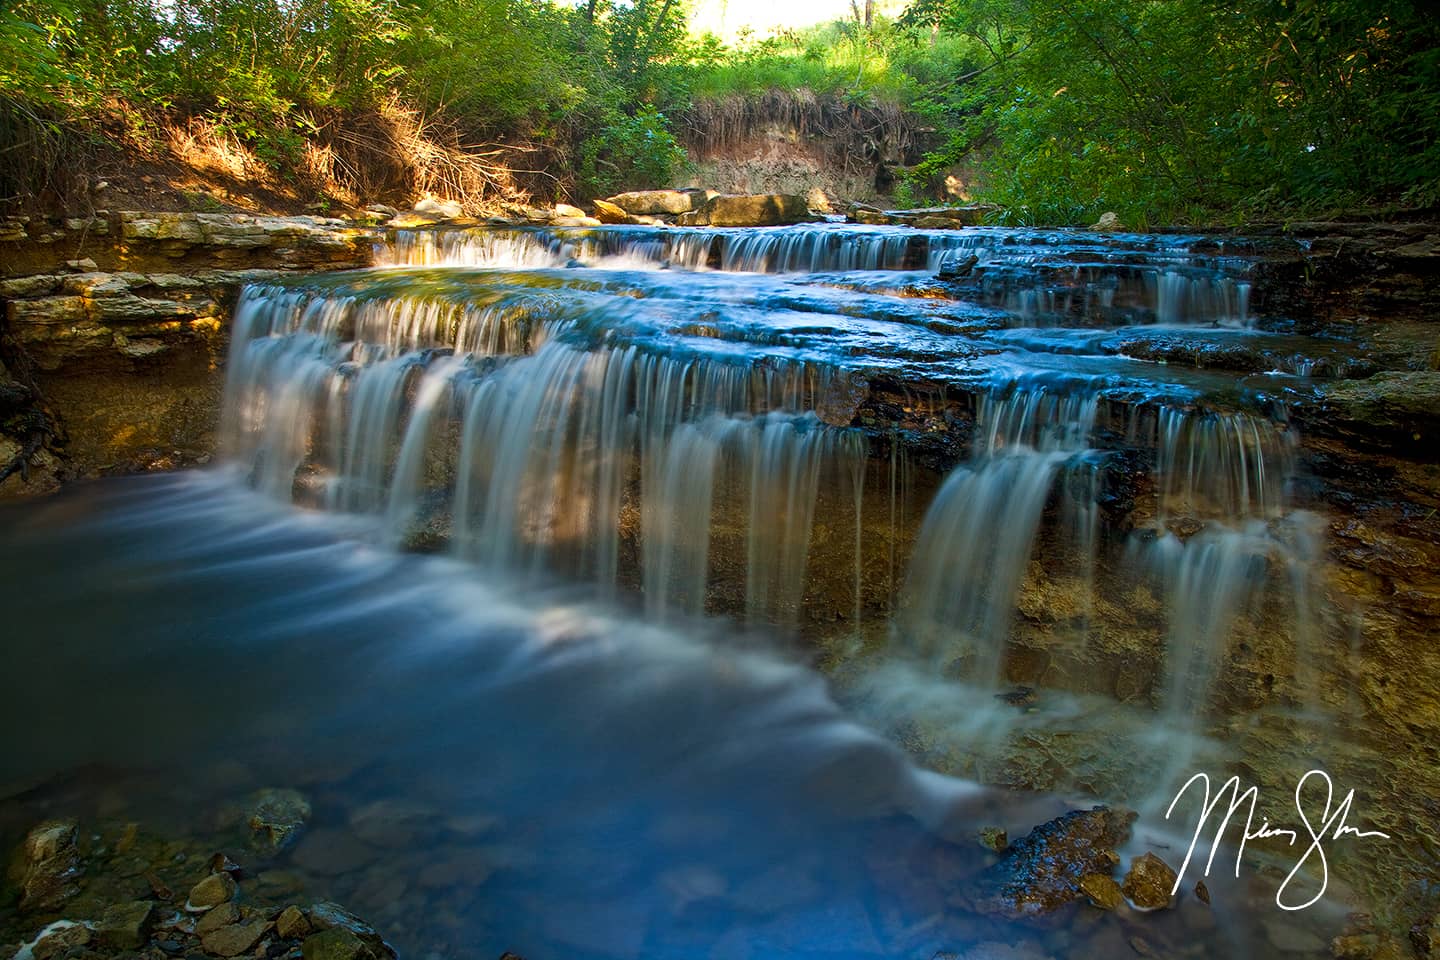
<point>276,816</point>
<point>1149,882</point>
<point>126,926</point>
<point>1044,868</point>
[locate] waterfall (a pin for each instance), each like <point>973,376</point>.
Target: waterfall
<point>978,536</point>
<point>1221,481</point>
<point>492,418</point>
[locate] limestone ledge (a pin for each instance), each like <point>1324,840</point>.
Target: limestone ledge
<point>141,240</point>
<point>92,318</point>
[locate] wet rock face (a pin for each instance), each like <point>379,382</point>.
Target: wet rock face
<point>1044,869</point>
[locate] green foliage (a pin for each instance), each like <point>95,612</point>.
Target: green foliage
<point>1162,110</point>
<point>1167,110</point>
<point>635,152</point>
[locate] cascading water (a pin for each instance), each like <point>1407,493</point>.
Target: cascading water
<point>1221,481</point>
<point>537,451</point>
<point>978,537</point>
<point>683,421</point>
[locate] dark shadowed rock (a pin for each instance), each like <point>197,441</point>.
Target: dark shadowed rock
<point>49,867</point>
<point>235,939</point>
<point>125,926</point>
<point>292,924</point>
<point>336,944</point>
<point>276,816</point>
<point>1043,869</point>
<point>220,916</point>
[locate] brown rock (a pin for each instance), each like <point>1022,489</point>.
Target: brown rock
<point>1149,882</point>
<point>1103,892</point>
<point>125,926</point>
<point>291,924</point>
<point>50,867</point>
<point>60,940</point>
<point>1042,870</point>
<point>211,892</point>
<point>235,939</point>
<point>994,838</point>
<point>655,201</point>
<point>607,212</point>
<point>756,210</point>
<point>220,916</point>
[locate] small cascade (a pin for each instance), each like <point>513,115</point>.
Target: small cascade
<point>1183,298</point>
<point>979,535</point>
<point>489,421</point>
<point>1228,547</point>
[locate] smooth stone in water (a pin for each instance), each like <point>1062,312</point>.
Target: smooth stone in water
<point>214,890</point>
<point>277,815</point>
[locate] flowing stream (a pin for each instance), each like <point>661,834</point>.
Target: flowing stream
<point>653,471</point>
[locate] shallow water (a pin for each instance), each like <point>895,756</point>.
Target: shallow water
<point>531,743</point>
<point>655,792</point>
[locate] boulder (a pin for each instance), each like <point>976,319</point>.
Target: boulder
<point>214,890</point>
<point>575,222</point>
<point>292,924</point>
<point>755,210</point>
<point>1103,891</point>
<point>235,939</point>
<point>870,217</point>
<point>1108,222</point>
<point>607,212</point>
<point>655,201</point>
<point>566,210</point>
<point>440,209</point>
